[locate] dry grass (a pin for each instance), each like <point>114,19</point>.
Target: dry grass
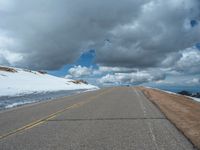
<point>7,69</point>
<point>79,82</point>
<point>183,112</point>
<point>42,72</point>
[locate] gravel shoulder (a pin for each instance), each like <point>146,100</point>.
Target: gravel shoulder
<point>183,112</point>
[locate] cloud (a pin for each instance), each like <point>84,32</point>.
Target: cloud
<point>116,69</point>
<point>135,41</point>
<point>140,33</point>
<point>194,81</point>
<point>131,78</point>
<point>79,71</point>
<point>171,59</point>
<point>189,62</point>
<point>3,60</point>
<point>157,32</point>
<point>53,33</point>
<point>6,5</point>
<point>9,58</point>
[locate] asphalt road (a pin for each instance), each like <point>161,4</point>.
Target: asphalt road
<point>118,118</point>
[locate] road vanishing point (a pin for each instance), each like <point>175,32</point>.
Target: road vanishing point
<point>118,118</point>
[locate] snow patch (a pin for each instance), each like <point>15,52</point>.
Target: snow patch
<point>18,104</point>
<point>27,82</point>
<point>194,98</point>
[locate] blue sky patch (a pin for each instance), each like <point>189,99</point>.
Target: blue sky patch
<point>86,59</point>
<point>198,46</point>
<point>193,23</point>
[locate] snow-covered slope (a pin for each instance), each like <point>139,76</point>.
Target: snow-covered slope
<point>21,81</point>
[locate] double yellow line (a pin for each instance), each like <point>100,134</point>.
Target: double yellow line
<point>51,116</point>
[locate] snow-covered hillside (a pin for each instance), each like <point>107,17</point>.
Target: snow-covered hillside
<point>15,81</point>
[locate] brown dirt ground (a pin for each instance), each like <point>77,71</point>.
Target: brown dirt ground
<point>183,112</point>
<point>7,69</point>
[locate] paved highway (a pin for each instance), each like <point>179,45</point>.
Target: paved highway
<point>119,118</point>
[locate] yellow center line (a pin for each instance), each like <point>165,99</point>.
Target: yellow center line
<point>49,117</point>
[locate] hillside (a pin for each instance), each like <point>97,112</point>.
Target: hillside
<point>16,81</point>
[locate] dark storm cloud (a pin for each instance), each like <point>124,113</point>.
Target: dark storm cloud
<point>162,28</point>
<point>139,33</point>
<point>53,33</point>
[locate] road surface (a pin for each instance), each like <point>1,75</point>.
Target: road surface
<point>119,118</point>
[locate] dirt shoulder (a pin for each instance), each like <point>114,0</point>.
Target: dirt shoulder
<point>183,112</point>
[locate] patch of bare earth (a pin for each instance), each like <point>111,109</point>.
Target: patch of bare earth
<point>7,69</point>
<point>183,112</point>
<point>79,82</point>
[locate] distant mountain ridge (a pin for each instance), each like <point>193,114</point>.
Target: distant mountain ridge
<point>187,93</point>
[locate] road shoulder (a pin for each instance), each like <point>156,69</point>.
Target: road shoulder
<point>180,110</point>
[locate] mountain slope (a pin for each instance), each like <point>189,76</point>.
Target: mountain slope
<point>16,81</point>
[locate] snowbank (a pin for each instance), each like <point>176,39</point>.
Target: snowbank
<point>26,82</point>
<point>194,98</point>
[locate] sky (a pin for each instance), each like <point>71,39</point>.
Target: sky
<point>125,42</point>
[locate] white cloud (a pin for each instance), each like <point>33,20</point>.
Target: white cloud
<point>189,62</point>
<point>6,5</point>
<point>116,69</point>
<point>5,41</point>
<point>9,58</point>
<point>7,55</point>
<point>194,81</point>
<point>79,71</point>
<point>131,78</point>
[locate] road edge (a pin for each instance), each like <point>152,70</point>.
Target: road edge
<point>147,95</point>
